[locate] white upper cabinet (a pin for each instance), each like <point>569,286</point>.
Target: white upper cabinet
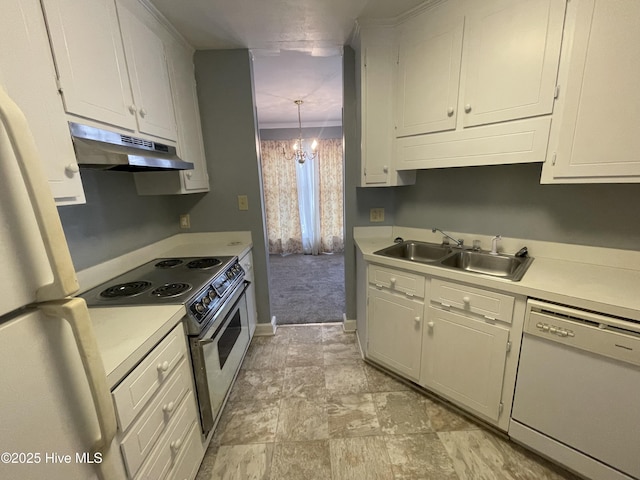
<point>149,76</point>
<point>89,56</point>
<point>476,83</point>
<point>512,50</point>
<point>596,136</point>
<point>375,59</point>
<point>428,73</point>
<point>111,66</point>
<point>28,75</point>
<point>190,144</point>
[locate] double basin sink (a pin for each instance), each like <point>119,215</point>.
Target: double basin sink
<point>507,267</point>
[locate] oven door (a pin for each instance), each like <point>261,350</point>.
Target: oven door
<point>217,354</point>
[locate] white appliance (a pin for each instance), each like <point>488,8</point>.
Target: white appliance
<point>577,396</point>
<point>56,415</point>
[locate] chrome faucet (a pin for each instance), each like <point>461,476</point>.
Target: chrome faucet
<point>459,242</point>
<point>494,244</point>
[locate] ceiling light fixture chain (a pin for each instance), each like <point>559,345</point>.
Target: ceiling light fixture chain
<point>299,153</point>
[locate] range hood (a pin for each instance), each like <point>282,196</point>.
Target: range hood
<point>105,150</point>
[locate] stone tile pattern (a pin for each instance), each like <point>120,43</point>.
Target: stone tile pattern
<point>306,407</point>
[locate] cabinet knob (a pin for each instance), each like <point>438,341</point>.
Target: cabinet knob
<point>143,112</point>
<point>168,408</point>
<point>430,325</point>
<point>392,281</point>
<point>466,300</point>
<point>417,319</point>
<point>467,108</point>
<point>450,111</point>
<point>163,367</point>
<point>71,169</point>
<point>189,174</point>
<point>132,109</point>
<point>385,169</point>
<point>176,444</point>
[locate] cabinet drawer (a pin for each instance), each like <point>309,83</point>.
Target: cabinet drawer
<point>137,444</point>
<point>491,305</point>
<point>166,452</point>
<point>189,462</point>
<point>397,281</point>
<point>147,378</point>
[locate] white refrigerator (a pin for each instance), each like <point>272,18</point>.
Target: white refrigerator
<point>56,415</point>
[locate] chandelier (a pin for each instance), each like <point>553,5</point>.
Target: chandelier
<point>299,153</point>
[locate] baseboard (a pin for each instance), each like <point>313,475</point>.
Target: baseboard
<point>266,329</point>
<point>348,325</point>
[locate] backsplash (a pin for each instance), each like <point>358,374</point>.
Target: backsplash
<point>509,200</point>
<point>116,220</point>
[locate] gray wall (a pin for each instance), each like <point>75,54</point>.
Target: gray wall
<point>225,94</point>
<point>307,133</point>
<point>509,200</point>
<point>115,220</point>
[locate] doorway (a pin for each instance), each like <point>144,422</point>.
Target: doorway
<point>299,107</point>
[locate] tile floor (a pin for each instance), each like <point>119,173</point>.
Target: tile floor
<point>305,406</point>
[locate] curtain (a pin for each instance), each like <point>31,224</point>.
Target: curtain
<point>331,180</point>
<point>309,202</point>
<point>303,202</point>
<point>280,198</point>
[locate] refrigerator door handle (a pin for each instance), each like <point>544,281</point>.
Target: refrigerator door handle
<point>75,311</point>
<point>24,148</point>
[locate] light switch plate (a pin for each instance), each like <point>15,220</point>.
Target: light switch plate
<point>376,215</point>
<point>243,202</point>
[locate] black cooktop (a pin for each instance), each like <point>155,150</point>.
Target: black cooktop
<point>160,281</point>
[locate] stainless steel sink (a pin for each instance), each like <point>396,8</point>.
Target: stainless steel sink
<point>422,252</point>
<point>503,266</point>
<point>507,267</point>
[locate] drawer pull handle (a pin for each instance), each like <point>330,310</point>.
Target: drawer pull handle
<point>163,367</point>
<point>175,445</point>
<point>168,408</point>
<point>466,300</point>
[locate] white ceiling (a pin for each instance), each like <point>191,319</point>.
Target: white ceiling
<point>296,46</point>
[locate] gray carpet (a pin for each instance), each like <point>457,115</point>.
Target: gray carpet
<point>307,288</point>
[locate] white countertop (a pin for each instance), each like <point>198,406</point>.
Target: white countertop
<point>126,334</point>
<point>599,279</point>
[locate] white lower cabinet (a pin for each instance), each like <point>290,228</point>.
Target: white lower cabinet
<point>159,429</point>
<point>459,341</point>
<point>394,331</point>
<point>464,359</point>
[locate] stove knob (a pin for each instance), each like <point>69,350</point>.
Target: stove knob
<point>211,294</point>
<point>200,308</point>
<point>206,301</point>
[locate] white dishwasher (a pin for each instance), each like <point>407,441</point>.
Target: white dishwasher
<point>577,398</point>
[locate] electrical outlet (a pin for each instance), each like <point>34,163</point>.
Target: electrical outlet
<point>243,202</point>
<point>185,221</point>
<point>376,215</point>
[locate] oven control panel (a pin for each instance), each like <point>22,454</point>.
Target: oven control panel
<point>211,298</point>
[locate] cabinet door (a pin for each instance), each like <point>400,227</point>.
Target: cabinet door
<point>428,74</point>
<point>149,77</point>
<point>464,360</point>
<point>185,98</point>
<point>394,332</point>
<point>598,136</point>
<point>512,51</point>
<point>28,75</point>
<point>90,60</point>
<point>377,108</point>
